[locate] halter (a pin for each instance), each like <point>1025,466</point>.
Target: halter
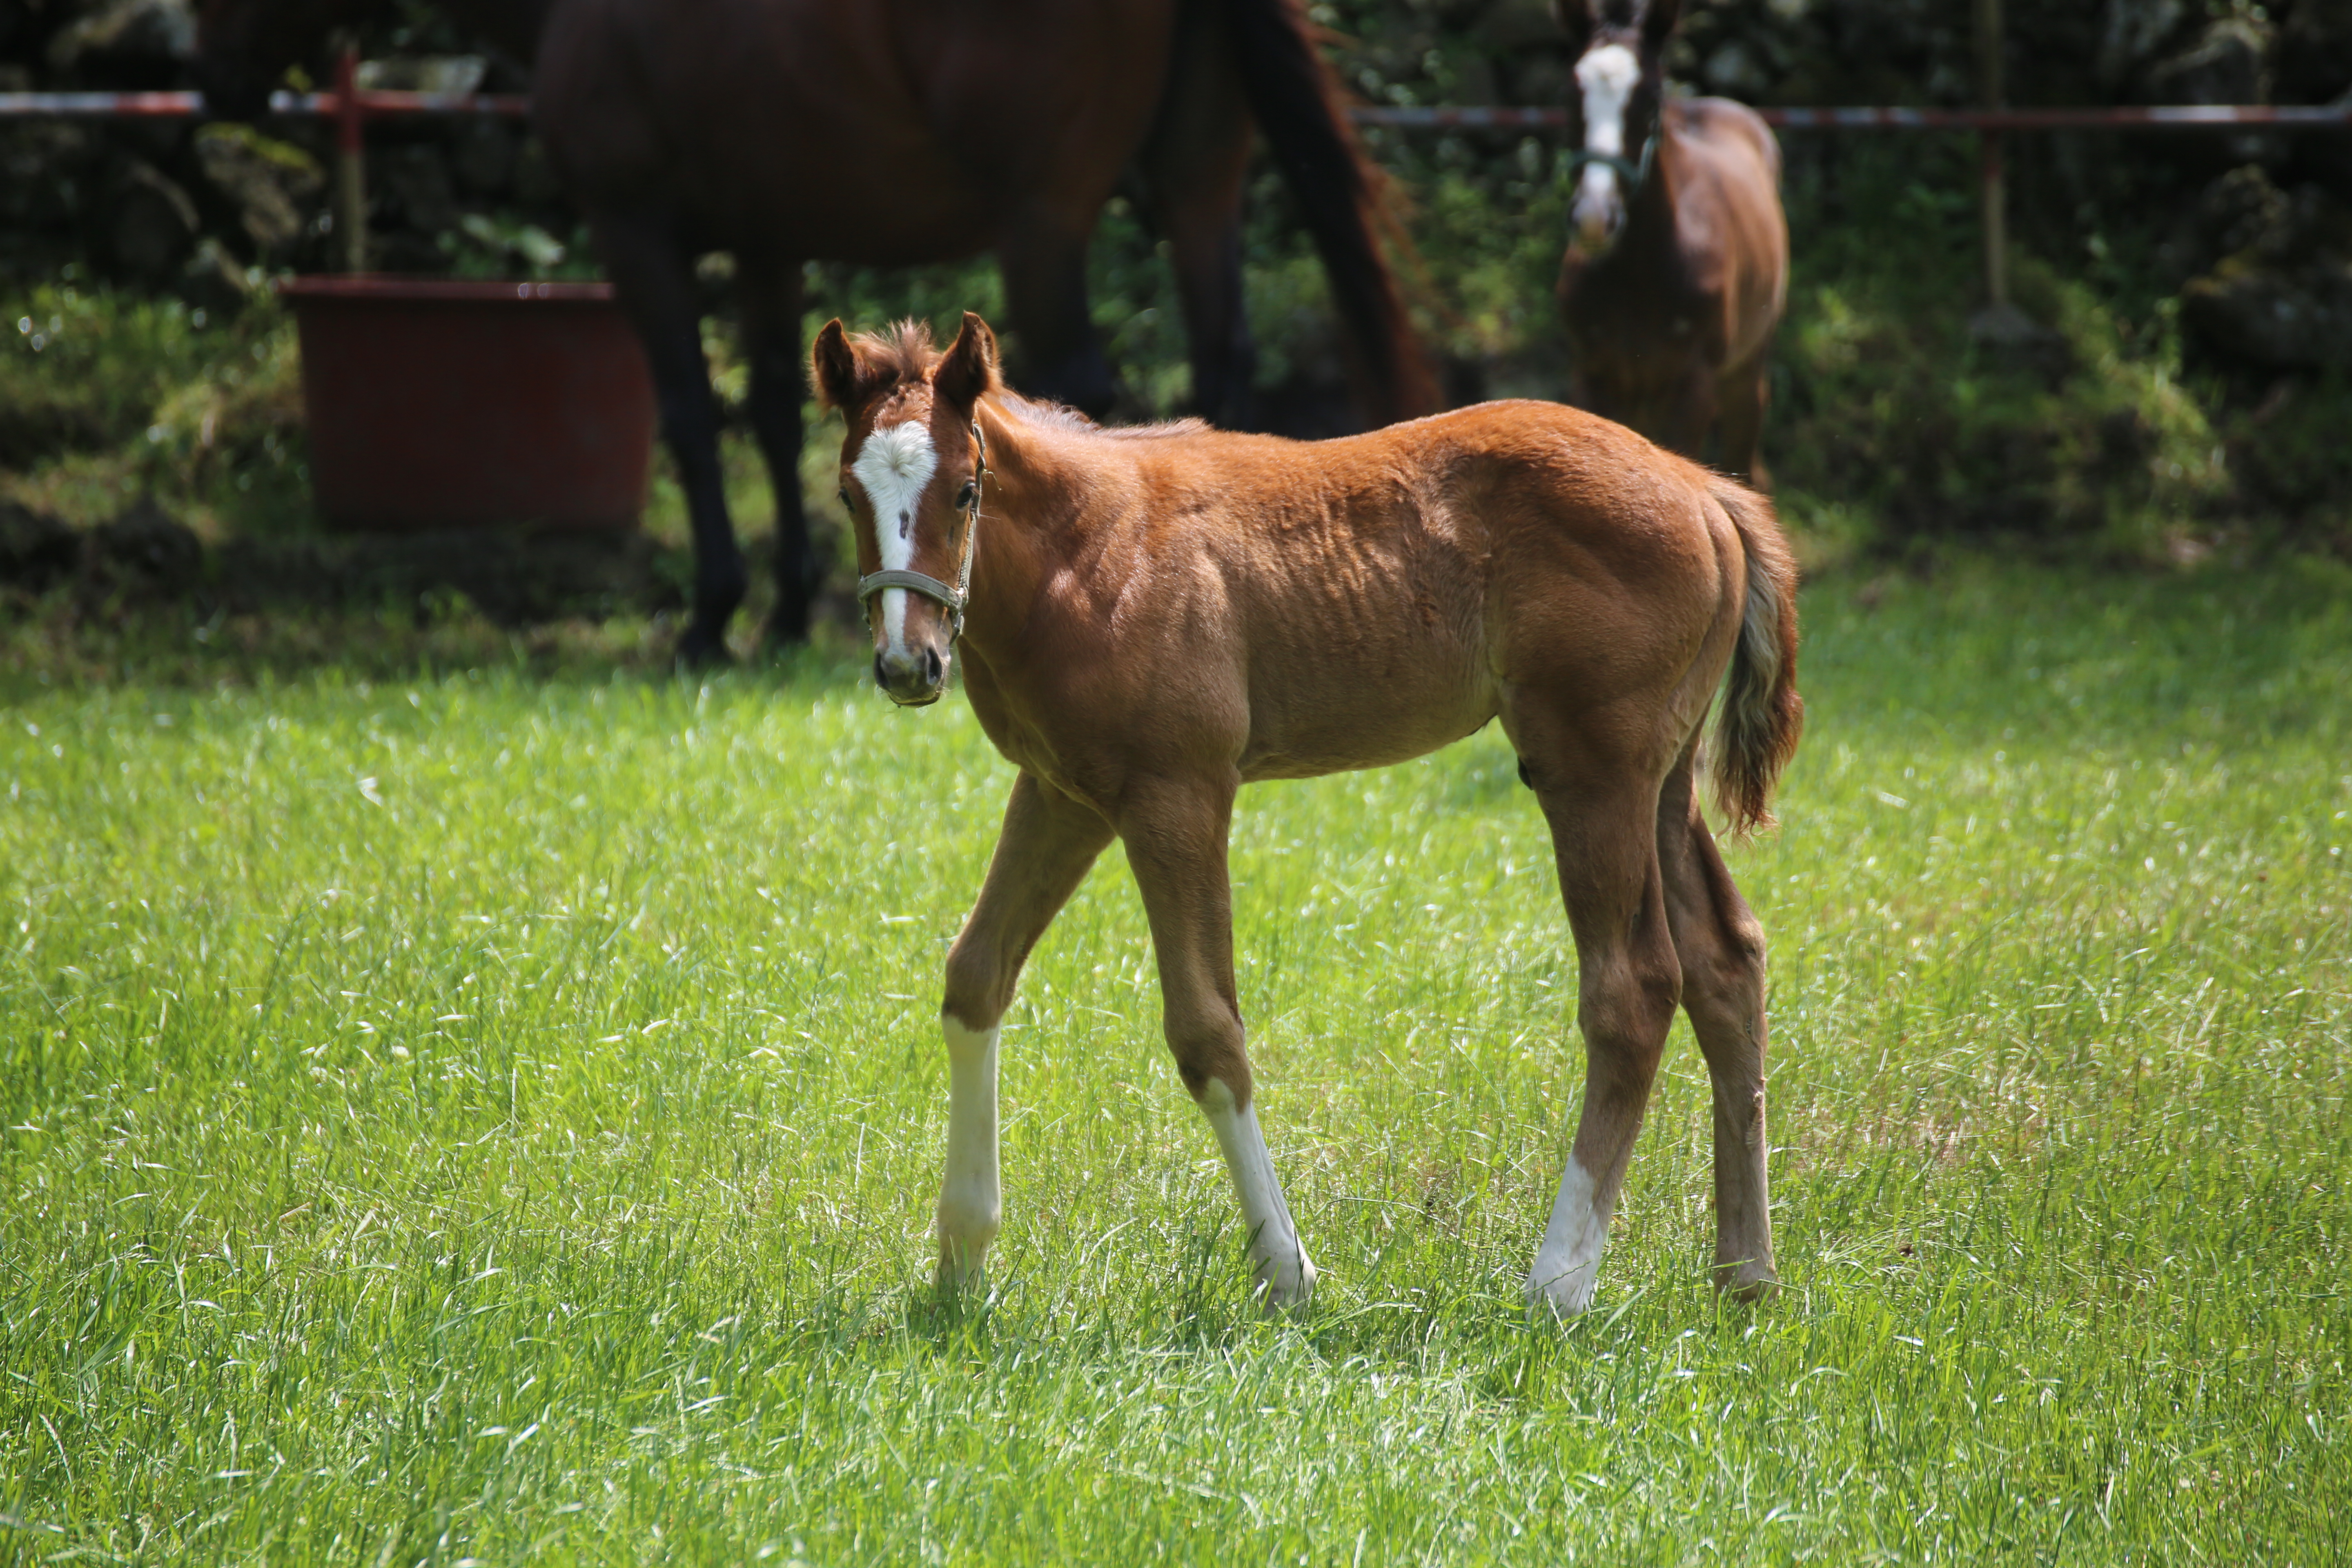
<point>1634,173</point>
<point>953,599</point>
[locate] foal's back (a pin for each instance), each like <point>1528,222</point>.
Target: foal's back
<point>1351,603</point>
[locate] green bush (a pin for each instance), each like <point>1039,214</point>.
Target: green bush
<point>104,393</point>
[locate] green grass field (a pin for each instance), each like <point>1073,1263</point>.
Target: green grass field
<point>492,1114</point>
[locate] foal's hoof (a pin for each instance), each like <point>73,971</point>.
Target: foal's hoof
<point>1284,1285</point>
<point>1746,1282</point>
<point>952,1283</point>
<point>963,1256</point>
<point>1561,1296</point>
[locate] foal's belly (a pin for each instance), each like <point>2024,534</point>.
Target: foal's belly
<point>1382,717</point>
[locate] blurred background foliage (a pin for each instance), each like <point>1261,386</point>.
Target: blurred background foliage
<point>2161,414</point>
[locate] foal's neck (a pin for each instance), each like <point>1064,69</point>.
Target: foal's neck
<point>1032,507</point>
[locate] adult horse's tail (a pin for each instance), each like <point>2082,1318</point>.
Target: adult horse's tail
<point>1762,714</point>
<point>1298,105</point>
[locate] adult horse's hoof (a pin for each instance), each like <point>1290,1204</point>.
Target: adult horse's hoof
<point>788,622</point>
<point>701,649</point>
<point>787,628</point>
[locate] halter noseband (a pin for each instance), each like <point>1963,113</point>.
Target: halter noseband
<point>1632,172</point>
<point>951,599</point>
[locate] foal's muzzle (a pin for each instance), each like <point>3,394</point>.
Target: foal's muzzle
<point>913,673</point>
<point>912,676</point>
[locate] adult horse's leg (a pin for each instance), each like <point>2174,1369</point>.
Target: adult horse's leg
<point>1044,260</point>
<point>1684,414</point>
<point>1192,167</point>
<point>1047,842</point>
<point>654,277</point>
<point>1603,812</point>
<point>770,296</point>
<point>1175,835</point>
<point>1720,944</point>
<point>1206,249</point>
<point>1741,394</point>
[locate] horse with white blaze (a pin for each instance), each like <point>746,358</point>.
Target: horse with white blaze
<point>1148,619</point>
<point>1677,262</point>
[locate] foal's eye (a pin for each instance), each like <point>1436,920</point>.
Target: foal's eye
<point>965,496</point>
<point>847,504</point>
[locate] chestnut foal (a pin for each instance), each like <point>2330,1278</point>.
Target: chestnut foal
<point>1150,618</point>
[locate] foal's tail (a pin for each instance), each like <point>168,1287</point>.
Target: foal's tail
<point>1762,714</point>
<point>1297,103</point>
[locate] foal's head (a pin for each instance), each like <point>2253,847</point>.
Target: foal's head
<point>911,474</point>
<point>1623,84</point>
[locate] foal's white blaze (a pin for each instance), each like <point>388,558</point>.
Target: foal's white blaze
<point>895,465</point>
<point>1568,1262</point>
<point>1607,77</point>
<point>1284,1272</point>
<point>970,1201</point>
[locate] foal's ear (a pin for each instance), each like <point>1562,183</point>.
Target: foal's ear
<point>833,365</point>
<point>1658,19</point>
<point>968,370</point>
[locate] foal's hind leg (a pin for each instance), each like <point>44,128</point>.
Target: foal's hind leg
<point>1175,837</point>
<point>1603,812</point>
<point>1047,842</point>
<point>1721,945</point>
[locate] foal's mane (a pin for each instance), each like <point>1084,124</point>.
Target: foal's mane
<point>901,354</point>
<point>1057,416</point>
<point>904,354</point>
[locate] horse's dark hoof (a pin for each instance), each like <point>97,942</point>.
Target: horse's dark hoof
<point>787,627</point>
<point>790,619</point>
<point>701,649</point>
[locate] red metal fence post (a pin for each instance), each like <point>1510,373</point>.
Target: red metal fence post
<point>1996,203</point>
<point>351,163</point>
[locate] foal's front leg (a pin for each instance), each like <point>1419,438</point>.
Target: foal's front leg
<point>1047,842</point>
<point>1175,836</point>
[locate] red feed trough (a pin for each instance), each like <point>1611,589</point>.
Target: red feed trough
<point>439,404</point>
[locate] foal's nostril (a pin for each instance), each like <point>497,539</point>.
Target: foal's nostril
<point>881,676</point>
<point>932,669</point>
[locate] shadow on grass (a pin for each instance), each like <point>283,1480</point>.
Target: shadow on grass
<point>62,639</point>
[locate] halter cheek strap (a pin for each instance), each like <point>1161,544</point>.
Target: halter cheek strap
<point>951,599</point>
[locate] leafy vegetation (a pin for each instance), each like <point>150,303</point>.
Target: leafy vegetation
<point>456,1108</point>
<point>104,396</point>
<point>1893,425</point>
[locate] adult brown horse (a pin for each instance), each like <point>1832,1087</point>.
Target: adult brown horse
<point>1678,264</point>
<point>897,131</point>
<point>1151,619</point>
